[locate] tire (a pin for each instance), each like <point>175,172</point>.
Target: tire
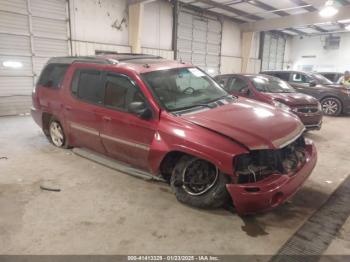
<point>57,135</point>
<point>331,106</point>
<point>213,195</point>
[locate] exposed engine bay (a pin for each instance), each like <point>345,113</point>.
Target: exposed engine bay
<point>259,164</point>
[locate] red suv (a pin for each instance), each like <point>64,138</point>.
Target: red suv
<point>171,120</point>
<point>274,91</point>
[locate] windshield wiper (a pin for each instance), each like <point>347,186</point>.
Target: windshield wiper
<point>195,105</point>
<point>210,104</point>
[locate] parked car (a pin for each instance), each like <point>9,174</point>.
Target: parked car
<point>332,76</point>
<point>171,120</point>
<point>334,99</point>
<point>276,92</point>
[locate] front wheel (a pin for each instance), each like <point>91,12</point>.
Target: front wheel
<point>198,183</point>
<point>331,106</point>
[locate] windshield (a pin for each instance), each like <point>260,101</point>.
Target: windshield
<point>321,79</point>
<point>182,88</point>
<point>271,85</point>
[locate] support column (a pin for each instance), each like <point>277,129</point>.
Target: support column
<point>247,40</point>
<point>135,26</point>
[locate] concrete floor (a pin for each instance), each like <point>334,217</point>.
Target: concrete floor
<point>102,211</point>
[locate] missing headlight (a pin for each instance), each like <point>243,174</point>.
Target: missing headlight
<point>259,164</point>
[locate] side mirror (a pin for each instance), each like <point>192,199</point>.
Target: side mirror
<point>140,109</point>
<point>312,83</point>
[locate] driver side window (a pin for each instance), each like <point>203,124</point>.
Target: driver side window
<point>236,85</point>
<point>300,78</point>
<point>120,92</point>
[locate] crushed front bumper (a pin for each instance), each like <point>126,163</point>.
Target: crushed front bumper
<point>272,191</point>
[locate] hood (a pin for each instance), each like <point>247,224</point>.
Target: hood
<point>253,124</point>
<point>339,86</point>
<point>294,99</point>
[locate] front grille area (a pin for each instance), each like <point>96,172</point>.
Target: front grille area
<point>259,164</point>
<point>307,110</point>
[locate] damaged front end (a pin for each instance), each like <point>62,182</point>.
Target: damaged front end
<point>266,178</point>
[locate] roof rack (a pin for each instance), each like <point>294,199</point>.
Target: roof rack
<point>101,59</point>
<point>131,56</point>
<point>78,59</point>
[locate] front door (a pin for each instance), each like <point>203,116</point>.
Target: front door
<point>125,136</point>
<point>301,83</point>
<point>238,86</point>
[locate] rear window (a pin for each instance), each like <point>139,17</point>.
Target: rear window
<point>52,75</point>
<point>87,86</point>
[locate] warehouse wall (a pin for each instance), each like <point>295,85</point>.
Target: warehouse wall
<point>231,59</point>
<point>287,60</point>
<point>230,48</point>
<point>102,33</point>
<point>321,60</point>
<point>98,25</point>
<point>157,30</point>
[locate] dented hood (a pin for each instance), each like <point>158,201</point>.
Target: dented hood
<point>253,124</point>
<point>294,99</point>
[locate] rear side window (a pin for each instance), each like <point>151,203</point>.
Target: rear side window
<point>87,86</point>
<point>52,75</point>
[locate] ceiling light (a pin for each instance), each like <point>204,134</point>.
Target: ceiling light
<point>328,10</point>
<point>347,27</point>
<point>12,64</point>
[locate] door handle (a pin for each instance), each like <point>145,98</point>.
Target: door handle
<point>107,118</point>
<point>68,108</point>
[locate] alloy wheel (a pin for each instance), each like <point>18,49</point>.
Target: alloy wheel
<point>330,106</point>
<point>56,134</point>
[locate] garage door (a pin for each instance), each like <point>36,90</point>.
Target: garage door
<point>31,31</point>
<point>199,40</point>
<point>273,51</point>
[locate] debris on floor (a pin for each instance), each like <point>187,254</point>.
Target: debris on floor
<point>49,185</point>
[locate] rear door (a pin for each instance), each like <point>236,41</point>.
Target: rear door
<point>125,136</point>
<point>81,108</point>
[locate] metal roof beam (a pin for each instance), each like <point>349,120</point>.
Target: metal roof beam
<point>206,11</point>
<point>294,21</point>
<point>231,9</point>
<point>319,29</point>
<point>307,7</point>
<point>268,8</point>
<point>295,31</point>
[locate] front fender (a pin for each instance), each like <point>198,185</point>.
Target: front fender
<point>219,151</point>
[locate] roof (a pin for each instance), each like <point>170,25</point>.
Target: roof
<point>140,63</point>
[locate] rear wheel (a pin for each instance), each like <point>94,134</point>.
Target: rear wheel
<point>331,106</point>
<point>57,135</point>
<point>199,183</point>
